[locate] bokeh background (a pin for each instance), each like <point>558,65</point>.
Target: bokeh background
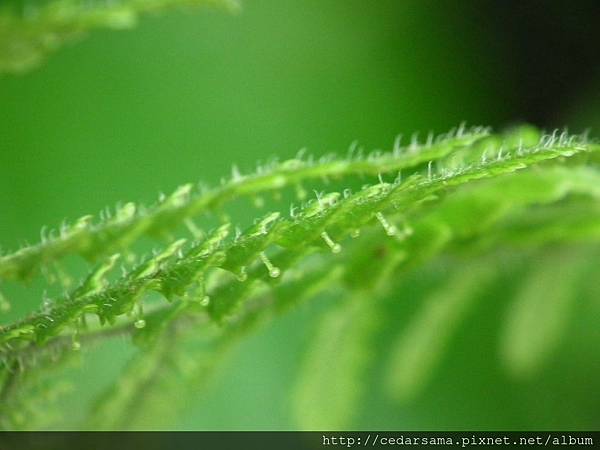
<point>125,115</point>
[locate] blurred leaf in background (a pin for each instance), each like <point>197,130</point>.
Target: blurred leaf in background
<point>183,96</point>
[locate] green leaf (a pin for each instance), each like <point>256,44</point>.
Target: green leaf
<point>420,347</point>
<point>538,317</point>
<point>465,194</point>
<point>330,383</point>
<point>29,31</point>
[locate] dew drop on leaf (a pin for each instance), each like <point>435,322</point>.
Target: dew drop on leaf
<point>390,229</point>
<point>334,246</point>
<point>274,271</point>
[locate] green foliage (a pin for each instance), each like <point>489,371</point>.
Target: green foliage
<point>541,311</point>
<point>467,194</point>
<point>330,385</point>
<point>29,30</point>
<point>422,344</point>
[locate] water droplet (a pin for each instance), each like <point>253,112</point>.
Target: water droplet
<point>75,344</point>
<point>274,272</point>
<point>390,229</point>
<point>205,301</point>
<point>355,233</point>
<point>139,316</point>
<point>334,246</point>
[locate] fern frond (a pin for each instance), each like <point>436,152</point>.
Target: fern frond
<point>328,216</point>
<point>94,240</point>
<point>466,192</point>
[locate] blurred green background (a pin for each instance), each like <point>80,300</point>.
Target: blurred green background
<point>125,115</point>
